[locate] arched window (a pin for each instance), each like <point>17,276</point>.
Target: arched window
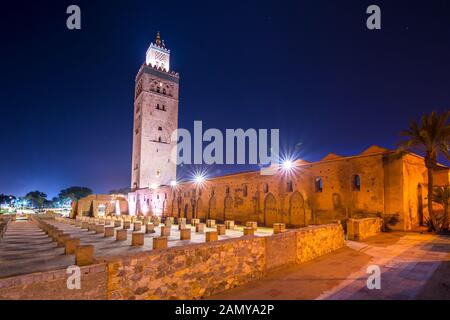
<point>356,182</point>
<point>158,173</point>
<point>159,128</point>
<point>245,190</point>
<point>266,188</point>
<point>159,139</point>
<point>290,187</point>
<point>318,184</point>
<point>158,90</point>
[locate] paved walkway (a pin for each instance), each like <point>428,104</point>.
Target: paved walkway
<point>413,266</point>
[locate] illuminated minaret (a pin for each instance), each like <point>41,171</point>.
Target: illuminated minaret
<point>155,119</point>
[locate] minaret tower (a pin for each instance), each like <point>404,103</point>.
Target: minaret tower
<point>155,119</point>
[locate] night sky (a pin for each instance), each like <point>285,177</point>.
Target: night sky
<point>310,68</point>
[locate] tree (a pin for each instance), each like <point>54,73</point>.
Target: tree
<point>37,197</point>
<point>441,195</point>
<point>74,193</point>
<point>431,137</point>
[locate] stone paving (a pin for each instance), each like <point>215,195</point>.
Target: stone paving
<point>25,248</point>
<point>408,263</point>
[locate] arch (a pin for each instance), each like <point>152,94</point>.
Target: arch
<point>212,208</point>
<point>228,208</point>
<point>270,210</point>
<point>179,206</point>
<point>186,211</point>
<point>297,210</point>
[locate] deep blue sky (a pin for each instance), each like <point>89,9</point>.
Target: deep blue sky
<point>310,68</point>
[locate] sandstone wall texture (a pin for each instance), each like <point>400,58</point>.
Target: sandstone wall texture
<point>194,271</point>
<point>361,229</point>
<point>52,285</point>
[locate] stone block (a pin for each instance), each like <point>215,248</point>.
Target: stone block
<point>252,224</point>
<point>249,231</point>
<point>211,223</point>
<point>117,223</point>
<point>182,226</point>
<point>137,239</point>
<point>109,231</point>
<point>62,239</point>
<point>84,255</point>
<point>229,224</point>
<point>127,224</point>
<point>121,234</point>
<point>220,229</point>
<point>168,223</point>
<point>160,243</point>
<point>71,245</point>
<point>211,236</point>
<point>200,228</point>
<point>137,226</point>
<point>165,231</point>
<point>279,228</point>
<point>149,228</point>
<point>85,225</point>
<point>91,226</point>
<point>195,222</point>
<point>185,234</point>
<point>182,220</point>
<point>100,228</point>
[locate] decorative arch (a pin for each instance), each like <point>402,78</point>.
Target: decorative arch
<point>200,210</point>
<point>297,210</point>
<point>212,208</point>
<point>270,210</point>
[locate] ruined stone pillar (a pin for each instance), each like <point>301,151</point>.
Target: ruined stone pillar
<point>160,243</point>
<point>220,229</point>
<point>229,224</point>
<point>211,236</point>
<point>149,228</point>
<point>211,223</point>
<point>109,231</point>
<point>185,234</point>
<point>85,225</point>
<point>121,234</point>
<point>279,228</point>
<point>182,221</point>
<point>62,239</point>
<point>200,228</point>
<point>252,224</point>
<point>118,223</point>
<point>249,231</point>
<point>71,245</point>
<point>195,222</point>
<point>182,226</point>
<point>137,226</point>
<point>84,255</point>
<point>91,226</point>
<point>168,223</point>
<point>100,228</point>
<point>127,224</point>
<point>165,231</point>
<point>137,239</point>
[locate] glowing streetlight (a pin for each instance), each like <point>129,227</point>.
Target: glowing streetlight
<point>173,183</point>
<point>199,179</point>
<point>154,186</point>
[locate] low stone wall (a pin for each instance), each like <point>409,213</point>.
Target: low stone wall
<point>194,271</point>
<point>52,285</point>
<point>360,229</point>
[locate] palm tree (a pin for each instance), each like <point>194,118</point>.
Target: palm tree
<point>441,195</point>
<point>431,137</point>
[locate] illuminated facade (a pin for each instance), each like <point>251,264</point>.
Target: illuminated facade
<point>155,119</point>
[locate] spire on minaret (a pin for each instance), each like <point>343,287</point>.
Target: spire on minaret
<point>158,39</point>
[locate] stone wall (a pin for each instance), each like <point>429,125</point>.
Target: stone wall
<point>52,285</point>
<point>360,229</point>
<point>191,272</point>
<point>200,270</point>
<point>4,220</point>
